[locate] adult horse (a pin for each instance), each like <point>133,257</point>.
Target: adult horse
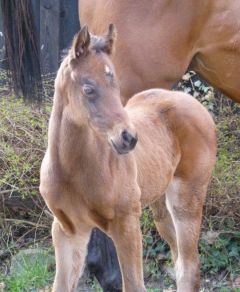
<point>157,42</point>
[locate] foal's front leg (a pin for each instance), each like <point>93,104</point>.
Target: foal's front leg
<point>70,253</point>
<point>126,234</point>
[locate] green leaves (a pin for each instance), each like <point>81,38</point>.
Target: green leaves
<point>222,255</point>
<point>23,137</point>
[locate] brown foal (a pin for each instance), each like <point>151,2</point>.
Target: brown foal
<point>91,178</point>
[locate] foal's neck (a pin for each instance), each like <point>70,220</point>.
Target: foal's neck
<point>76,148</point>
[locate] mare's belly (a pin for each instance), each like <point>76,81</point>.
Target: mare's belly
<point>221,68</point>
<point>217,56</point>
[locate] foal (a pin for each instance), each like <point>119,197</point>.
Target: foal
<point>87,183</point>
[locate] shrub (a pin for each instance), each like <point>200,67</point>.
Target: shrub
<point>23,131</point>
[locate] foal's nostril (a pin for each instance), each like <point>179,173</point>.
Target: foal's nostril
<point>134,141</point>
<point>126,136</point>
<point>128,139</point>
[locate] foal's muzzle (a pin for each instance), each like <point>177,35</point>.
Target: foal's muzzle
<point>127,142</point>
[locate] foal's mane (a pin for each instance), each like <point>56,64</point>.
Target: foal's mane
<point>97,43</point>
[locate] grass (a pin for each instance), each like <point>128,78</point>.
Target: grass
<point>30,273</point>
<point>33,277</point>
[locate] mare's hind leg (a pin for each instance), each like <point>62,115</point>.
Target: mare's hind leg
<point>70,253</point>
<point>164,224</point>
<point>185,202</point>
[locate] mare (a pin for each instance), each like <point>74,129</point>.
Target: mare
<point>104,162</point>
<point>158,41</point>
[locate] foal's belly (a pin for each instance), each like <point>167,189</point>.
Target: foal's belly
<point>155,163</point>
<point>153,182</point>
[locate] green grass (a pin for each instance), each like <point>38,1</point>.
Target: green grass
<point>32,275</point>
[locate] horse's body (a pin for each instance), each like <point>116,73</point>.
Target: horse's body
<point>159,40</point>
<point>87,183</point>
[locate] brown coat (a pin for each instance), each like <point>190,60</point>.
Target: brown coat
<point>159,40</point>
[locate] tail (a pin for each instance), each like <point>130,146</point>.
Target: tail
<point>22,51</point>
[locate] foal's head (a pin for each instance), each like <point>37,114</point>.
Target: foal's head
<point>89,87</point>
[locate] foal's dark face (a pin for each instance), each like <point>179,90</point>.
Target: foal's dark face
<point>94,91</point>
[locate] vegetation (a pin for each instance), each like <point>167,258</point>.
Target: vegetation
<point>29,271</point>
<point>25,221</point>
<point>22,145</point>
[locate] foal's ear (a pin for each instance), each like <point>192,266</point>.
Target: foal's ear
<point>81,42</point>
<point>110,39</point>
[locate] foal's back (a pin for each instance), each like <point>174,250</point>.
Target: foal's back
<point>176,139</point>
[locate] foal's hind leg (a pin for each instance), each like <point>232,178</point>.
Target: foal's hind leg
<point>185,202</point>
<point>70,253</point>
<point>164,224</point>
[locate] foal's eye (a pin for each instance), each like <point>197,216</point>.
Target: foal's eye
<point>88,90</point>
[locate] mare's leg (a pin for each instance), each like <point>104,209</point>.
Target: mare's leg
<point>185,202</point>
<point>164,224</point>
<point>126,234</point>
<point>70,253</point>
<point>102,261</point>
